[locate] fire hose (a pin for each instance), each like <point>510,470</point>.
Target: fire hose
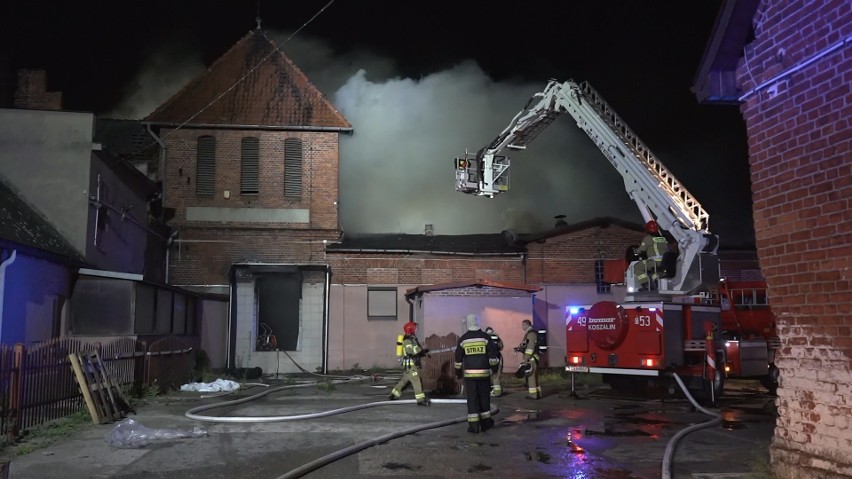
<point>328,459</point>
<point>670,447</point>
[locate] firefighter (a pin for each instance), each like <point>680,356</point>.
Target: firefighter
<point>412,353</point>
<point>475,361</point>
<point>653,245</point>
<point>529,364</point>
<point>496,387</point>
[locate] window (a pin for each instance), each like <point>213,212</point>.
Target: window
<point>381,303</point>
<point>602,288</point>
<point>205,168</point>
<point>249,170</point>
<point>293,168</point>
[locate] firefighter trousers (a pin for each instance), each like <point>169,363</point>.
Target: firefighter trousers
<point>410,375</point>
<point>478,399</point>
<point>496,387</point>
<point>533,388</point>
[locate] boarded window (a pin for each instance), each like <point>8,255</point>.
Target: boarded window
<point>293,168</point>
<point>205,167</point>
<point>381,303</point>
<point>249,171</point>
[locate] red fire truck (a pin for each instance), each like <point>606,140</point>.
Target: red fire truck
<point>689,323</point>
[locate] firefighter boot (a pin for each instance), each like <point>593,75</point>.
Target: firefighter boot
<point>424,402</point>
<point>473,427</point>
<point>487,424</point>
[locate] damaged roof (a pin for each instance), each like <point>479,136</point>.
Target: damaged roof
<point>474,244</point>
<point>425,288</point>
<point>252,84</point>
<point>23,225</point>
<point>504,243</point>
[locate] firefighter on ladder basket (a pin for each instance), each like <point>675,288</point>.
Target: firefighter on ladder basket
<point>654,244</point>
<point>410,352</point>
<point>529,364</point>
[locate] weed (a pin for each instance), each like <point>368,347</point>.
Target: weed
<point>24,449</point>
<point>326,386</point>
<point>760,468</point>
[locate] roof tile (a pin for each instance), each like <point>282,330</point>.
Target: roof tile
<point>252,84</point>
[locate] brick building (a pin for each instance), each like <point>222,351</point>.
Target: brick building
<point>789,67</point>
<point>249,156</point>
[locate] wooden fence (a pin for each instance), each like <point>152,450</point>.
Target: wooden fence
<point>37,384</point>
<point>438,371</point>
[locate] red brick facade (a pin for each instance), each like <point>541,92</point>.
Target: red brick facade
<point>800,142</point>
<point>206,250</point>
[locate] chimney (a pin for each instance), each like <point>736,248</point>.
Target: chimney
<point>429,231</point>
<point>32,92</point>
<point>560,221</point>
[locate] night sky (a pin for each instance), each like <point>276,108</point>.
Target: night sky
<point>421,81</point>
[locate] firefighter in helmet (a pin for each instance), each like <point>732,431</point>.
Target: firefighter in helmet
<point>496,387</point>
<point>529,363</point>
<point>412,353</point>
<point>653,245</point>
<point>475,361</point>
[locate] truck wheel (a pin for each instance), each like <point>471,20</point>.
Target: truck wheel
<point>770,381</point>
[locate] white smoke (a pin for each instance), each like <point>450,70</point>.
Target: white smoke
<point>396,170</point>
<point>162,75</point>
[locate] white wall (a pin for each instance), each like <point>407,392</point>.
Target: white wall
<point>46,156</point>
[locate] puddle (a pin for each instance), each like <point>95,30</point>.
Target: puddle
<point>395,466</point>
<point>612,433</point>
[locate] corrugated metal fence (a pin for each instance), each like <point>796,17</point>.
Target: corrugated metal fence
<point>37,384</point>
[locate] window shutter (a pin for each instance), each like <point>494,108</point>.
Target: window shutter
<point>205,168</point>
<point>250,170</point>
<point>293,168</point>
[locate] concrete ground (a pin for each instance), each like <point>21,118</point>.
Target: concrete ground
<point>611,437</point>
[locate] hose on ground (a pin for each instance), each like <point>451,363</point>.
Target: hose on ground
<point>328,459</point>
<point>670,447</point>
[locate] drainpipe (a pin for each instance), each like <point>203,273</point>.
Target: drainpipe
<point>169,242</point>
<point>5,264</point>
<point>163,176</point>
<point>326,320</point>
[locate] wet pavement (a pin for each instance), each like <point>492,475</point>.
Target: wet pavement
<point>596,434</point>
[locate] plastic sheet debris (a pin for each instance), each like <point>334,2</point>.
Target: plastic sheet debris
<point>216,386</point>
<point>129,434</point>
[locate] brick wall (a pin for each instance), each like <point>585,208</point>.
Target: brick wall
<point>206,250</point>
<point>800,148</point>
<point>571,258</point>
<point>32,92</point>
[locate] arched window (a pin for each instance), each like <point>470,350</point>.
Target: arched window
<point>205,166</point>
<point>293,168</point>
<point>250,166</point>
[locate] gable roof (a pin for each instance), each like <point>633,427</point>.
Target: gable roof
<point>252,85</point>
<point>22,225</point>
<point>425,288</point>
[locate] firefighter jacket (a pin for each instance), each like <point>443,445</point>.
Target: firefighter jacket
<point>476,355</point>
<point>653,247</point>
<point>411,352</point>
<point>529,346</point>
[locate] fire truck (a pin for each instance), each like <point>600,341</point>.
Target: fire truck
<point>691,324</point>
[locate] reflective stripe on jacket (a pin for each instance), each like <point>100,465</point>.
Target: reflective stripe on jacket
<point>476,354</point>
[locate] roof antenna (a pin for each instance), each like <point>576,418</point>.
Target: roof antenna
<point>257,19</point>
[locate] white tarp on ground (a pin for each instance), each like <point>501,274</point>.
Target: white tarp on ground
<point>215,386</point>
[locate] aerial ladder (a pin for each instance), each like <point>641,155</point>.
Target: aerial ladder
<point>654,189</point>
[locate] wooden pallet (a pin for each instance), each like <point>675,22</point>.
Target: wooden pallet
<point>104,400</point>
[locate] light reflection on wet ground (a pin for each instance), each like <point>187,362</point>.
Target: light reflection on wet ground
<point>578,440</point>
